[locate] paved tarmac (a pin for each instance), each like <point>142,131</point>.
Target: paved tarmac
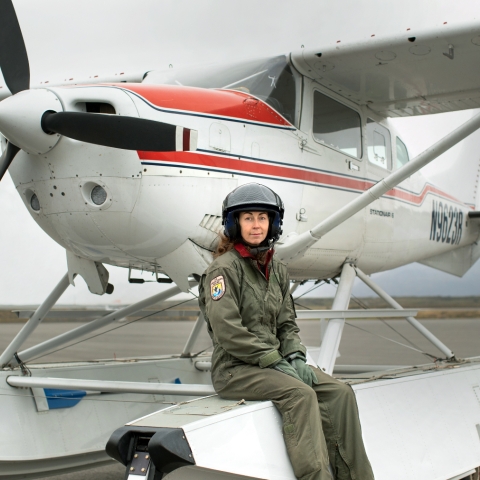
<point>168,337</point>
<point>164,337</point>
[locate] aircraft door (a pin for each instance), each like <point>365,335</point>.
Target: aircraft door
<point>332,156</point>
<point>381,214</point>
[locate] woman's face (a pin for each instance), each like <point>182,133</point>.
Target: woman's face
<point>253,227</point>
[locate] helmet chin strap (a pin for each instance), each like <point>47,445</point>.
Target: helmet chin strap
<point>256,249</point>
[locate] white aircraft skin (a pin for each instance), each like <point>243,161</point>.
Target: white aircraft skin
<point>157,202</point>
<point>162,212</point>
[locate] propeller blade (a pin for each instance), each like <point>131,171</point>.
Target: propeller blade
<point>129,133</point>
<point>7,157</point>
<point>13,54</point>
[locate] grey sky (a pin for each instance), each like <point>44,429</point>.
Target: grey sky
<point>79,39</point>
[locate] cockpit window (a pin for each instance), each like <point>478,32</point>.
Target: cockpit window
<point>271,80</point>
<point>379,146</point>
<point>336,125</point>
<point>402,154</point>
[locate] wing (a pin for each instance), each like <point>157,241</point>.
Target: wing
<point>412,73</point>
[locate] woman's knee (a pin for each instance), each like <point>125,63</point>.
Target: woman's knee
<point>345,392</point>
<point>299,394</point>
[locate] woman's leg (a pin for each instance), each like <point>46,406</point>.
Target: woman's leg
<point>341,426</point>
<point>297,402</point>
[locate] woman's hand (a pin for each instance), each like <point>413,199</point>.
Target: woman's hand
<point>284,367</point>
<point>304,371</point>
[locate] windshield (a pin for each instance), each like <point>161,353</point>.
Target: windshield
<point>270,79</point>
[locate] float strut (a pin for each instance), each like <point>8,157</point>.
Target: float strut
<point>411,320</point>
<point>49,345</point>
<point>109,386</point>
<point>34,321</point>
<point>333,332</point>
<point>197,328</point>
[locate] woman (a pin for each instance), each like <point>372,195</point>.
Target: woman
<point>258,355</point>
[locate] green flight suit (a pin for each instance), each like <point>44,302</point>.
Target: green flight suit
<point>252,324</point>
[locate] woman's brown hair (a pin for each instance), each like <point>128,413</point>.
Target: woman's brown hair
<point>224,245</point>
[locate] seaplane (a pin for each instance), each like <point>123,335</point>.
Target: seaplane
<point>133,173</point>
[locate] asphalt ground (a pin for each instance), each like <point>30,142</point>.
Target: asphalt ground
<point>361,344</point>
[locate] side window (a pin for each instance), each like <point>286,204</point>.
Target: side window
<point>336,125</point>
<point>379,146</point>
<point>402,154</point>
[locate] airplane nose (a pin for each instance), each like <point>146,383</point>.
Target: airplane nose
<point>21,116</point>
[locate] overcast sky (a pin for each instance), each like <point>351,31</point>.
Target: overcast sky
<point>79,39</point>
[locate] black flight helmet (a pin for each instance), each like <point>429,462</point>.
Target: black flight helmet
<point>257,198</point>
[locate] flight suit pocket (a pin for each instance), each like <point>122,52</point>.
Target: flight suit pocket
<point>289,433</point>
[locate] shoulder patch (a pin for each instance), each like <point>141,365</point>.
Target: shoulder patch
<point>217,287</point>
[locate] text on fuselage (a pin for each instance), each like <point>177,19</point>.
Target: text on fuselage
<point>381,213</point>
<point>447,223</point>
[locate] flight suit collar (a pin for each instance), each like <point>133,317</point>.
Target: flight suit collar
<point>245,253</point>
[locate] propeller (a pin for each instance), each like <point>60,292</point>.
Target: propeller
<point>129,133</point>
<point>13,54</point>
<point>7,157</point>
<point>14,65</point>
<point>25,119</point>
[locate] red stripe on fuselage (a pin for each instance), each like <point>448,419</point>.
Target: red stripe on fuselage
<point>290,173</point>
<point>224,103</point>
<point>417,198</point>
<point>238,165</point>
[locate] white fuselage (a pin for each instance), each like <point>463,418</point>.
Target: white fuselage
<point>156,201</point>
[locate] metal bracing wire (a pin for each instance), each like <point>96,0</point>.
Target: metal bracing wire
<point>356,300</point>
<point>394,341</point>
<point>412,346</point>
<point>308,291</point>
<point>115,328</point>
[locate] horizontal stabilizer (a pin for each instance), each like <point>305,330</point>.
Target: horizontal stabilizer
<point>456,262</point>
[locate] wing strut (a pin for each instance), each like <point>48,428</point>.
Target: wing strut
<point>296,246</point>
